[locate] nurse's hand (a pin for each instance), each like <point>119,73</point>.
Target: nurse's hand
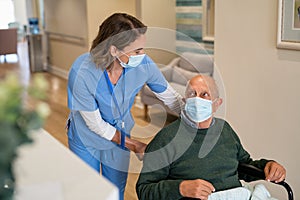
<point>140,150</point>
<point>131,144</point>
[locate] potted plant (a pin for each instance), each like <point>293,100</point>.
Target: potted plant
<point>17,119</point>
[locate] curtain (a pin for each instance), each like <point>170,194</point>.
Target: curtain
<point>189,28</point>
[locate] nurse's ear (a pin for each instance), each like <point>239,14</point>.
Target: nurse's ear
<point>113,50</point>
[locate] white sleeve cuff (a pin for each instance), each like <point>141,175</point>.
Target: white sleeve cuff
<point>96,124</point>
<point>171,98</point>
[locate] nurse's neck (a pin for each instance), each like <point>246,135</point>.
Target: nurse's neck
<point>114,73</point>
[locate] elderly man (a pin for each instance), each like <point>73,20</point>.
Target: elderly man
<point>197,154</point>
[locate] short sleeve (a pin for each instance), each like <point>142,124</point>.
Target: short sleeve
<point>80,95</point>
<point>156,80</point>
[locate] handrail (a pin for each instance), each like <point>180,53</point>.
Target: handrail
<point>67,38</point>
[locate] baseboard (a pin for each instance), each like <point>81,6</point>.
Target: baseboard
<point>58,72</point>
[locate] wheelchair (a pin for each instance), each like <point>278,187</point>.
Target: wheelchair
<point>249,173</point>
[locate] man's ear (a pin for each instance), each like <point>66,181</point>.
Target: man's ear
<point>220,101</point>
<point>113,50</point>
<point>217,104</point>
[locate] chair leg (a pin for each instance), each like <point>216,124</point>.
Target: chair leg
<point>145,111</point>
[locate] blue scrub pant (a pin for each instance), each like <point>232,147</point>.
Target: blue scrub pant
<point>113,163</point>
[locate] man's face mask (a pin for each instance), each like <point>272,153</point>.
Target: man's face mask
<point>133,61</point>
<point>198,109</point>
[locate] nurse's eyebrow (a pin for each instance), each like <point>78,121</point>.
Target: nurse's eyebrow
<point>139,49</point>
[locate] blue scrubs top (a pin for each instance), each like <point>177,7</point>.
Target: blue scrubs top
<point>88,90</point>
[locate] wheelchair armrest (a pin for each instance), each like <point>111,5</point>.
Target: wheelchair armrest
<point>249,173</point>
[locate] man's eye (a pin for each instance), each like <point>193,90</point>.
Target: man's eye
<point>205,94</point>
<point>192,94</point>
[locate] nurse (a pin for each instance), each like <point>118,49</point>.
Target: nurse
<point>102,86</point>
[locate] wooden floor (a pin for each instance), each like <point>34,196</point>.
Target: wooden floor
<point>56,94</point>
<point>57,101</point>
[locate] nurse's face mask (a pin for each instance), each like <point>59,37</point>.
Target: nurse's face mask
<point>133,60</point>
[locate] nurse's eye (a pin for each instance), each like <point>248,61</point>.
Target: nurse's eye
<point>139,51</point>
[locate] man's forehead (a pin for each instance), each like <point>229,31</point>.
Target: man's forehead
<point>198,83</point>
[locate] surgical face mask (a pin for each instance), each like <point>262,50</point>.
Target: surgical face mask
<point>133,61</point>
<point>198,109</point>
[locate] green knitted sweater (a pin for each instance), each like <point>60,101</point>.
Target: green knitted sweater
<point>179,152</point>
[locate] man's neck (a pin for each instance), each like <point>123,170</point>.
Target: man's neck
<point>202,125</point>
<point>205,124</point>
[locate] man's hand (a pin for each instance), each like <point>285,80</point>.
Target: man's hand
<point>274,172</point>
<point>198,188</point>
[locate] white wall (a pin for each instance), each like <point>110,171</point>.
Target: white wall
<point>98,11</point>
<point>160,17</point>
<point>68,17</point>
<point>94,14</point>
<point>262,82</point>
<point>164,17</point>
<point>159,13</point>
<point>31,8</point>
<point>20,11</point>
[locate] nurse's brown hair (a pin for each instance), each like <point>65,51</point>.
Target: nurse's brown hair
<point>119,30</point>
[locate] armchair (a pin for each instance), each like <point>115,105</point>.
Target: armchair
<point>8,41</point>
<point>177,73</point>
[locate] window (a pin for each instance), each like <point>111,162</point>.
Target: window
<point>190,26</point>
<point>6,13</point>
